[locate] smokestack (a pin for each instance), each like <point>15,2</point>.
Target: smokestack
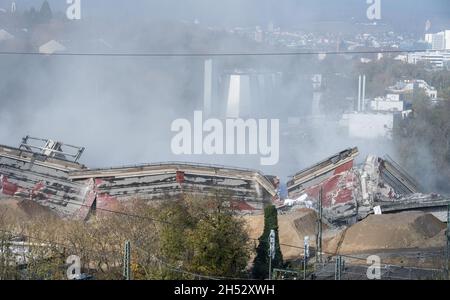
<point>363,99</point>
<point>234,96</point>
<point>359,95</point>
<point>207,87</point>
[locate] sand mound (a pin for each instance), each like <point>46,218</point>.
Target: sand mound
<point>9,203</point>
<point>34,209</point>
<point>292,227</point>
<point>19,208</point>
<point>255,225</point>
<point>10,211</point>
<point>404,230</point>
<point>393,231</point>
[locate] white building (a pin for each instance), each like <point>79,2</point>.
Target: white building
<point>259,35</point>
<point>5,35</point>
<point>439,41</point>
<point>390,103</point>
<point>369,125</point>
<point>317,94</point>
<point>249,92</point>
<point>208,87</point>
<point>447,39</point>
<point>238,101</point>
<point>408,86</point>
<point>438,59</point>
<point>52,47</point>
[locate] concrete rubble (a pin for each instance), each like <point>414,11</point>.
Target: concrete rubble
<point>350,193</point>
<point>48,172</point>
<point>53,177</point>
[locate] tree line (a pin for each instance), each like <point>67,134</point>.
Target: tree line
<point>190,238</point>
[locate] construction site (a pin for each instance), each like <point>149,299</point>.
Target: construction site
<point>346,212</point>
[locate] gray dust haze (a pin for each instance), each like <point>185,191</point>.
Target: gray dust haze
<point>121,108</point>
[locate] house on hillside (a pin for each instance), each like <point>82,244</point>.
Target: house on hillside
<point>5,35</point>
<point>409,86</point>
<point>52,47</point>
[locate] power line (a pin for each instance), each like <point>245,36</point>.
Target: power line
<point>401,267</point>
<point>210,54</point>
<point>167,265</point>
<point>173,224</point>
<point>281,244</point>
<point>422,255</point>
<point>20,235</point>
<point>382,275</point>
<point>121,213</point>
<point>180,270</point>
<point>255,239</point>
<point>50,243</point>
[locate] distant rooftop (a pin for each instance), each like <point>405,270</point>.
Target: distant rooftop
<point>5,35</point>
<point>52,47</point>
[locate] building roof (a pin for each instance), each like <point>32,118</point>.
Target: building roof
<point>52,47</point>
<point>5,35</point>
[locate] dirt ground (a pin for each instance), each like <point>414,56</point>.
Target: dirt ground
<point>9,203</point>
<point>377,233</point>
<point>9,206</point>
<point>405,230</point>
<point>23,208</point>
<point>293,227</point>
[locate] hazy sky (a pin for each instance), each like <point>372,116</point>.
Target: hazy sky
<point>121,109</point>
<point>245,12</point>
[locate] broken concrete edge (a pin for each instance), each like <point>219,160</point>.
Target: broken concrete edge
<point>71,189</point>
<point>349,192</point>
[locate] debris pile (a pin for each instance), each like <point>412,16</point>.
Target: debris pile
<point>348,193</point>
<point>48,172</point>
<point>292,228</point>
<point>403,230</point>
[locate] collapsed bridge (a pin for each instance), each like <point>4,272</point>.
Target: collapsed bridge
<point>349,193</point>
<point>52,176</point>
<point>49,173</point>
